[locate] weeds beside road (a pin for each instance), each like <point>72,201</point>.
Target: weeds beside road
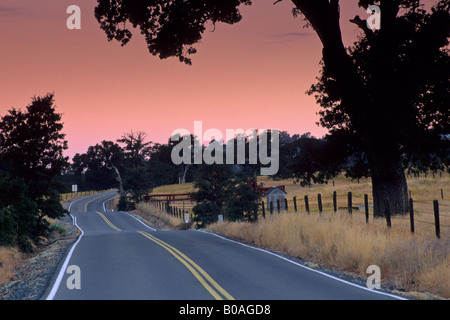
<point>346,243</point>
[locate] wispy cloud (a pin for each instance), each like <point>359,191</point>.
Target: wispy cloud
<point>289,35</point>
<point>12,11</point>
<point>278,38</point>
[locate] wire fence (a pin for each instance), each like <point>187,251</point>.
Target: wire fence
<point>425,216</point>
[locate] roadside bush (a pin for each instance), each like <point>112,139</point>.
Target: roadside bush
<point>123,203</point>
<point>219,191</point>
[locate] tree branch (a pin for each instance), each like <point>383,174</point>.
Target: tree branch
<point>362,24</point>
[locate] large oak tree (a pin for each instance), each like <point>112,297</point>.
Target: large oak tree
<point>390,90</point>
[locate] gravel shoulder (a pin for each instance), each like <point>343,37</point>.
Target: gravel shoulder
<point>32,277</point>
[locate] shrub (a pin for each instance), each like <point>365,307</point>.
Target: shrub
<point>123,203</point>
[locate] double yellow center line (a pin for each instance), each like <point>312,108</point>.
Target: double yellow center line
<point>205,279</point>
<point>108,222</point>
<point>88,202</point>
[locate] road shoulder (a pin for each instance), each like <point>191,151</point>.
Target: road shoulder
<point>32,277</point>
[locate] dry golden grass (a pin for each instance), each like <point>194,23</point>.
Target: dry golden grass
<point>345,242</point>
<point>149,212</point>
<point>10,258</point>
<point>423,190</point>
<point>428,188</point>
<point>174,188</point>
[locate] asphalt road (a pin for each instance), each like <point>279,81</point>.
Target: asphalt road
<point>118,257</point>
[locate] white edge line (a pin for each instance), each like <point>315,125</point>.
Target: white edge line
<point>58,280</point>
<point>104,207</point>
<point>140,221</point>
<point>303,266</point>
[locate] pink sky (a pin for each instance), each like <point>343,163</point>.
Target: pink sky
<point>253,74</point>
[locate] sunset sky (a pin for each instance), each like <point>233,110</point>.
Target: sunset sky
<point>253,74</point>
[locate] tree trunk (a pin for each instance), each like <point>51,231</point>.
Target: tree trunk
<point>182,173</point>
<point>118,178</point>
<point>389,188</point>
<point>366,113</point>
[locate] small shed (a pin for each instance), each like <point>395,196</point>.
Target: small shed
<point>276,196</point>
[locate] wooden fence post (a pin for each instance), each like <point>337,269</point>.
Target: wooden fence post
<point>295,203</point>
<point>436,218</point>
<point>286,208</point>
<point>271,207</point>
<point>350,202</point>
<point>366,207</point>
<point>411,214</point>
<point>307,204</point>
<point>263,210</point>
<point>278,205</point>
<point>334,201</point>
<point>319,202</point>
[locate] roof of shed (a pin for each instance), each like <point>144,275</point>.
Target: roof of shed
<point>273,189</point>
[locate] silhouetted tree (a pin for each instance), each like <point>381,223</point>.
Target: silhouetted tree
<point>386,98</point>
<point>31,158</point>
<point>161,167</point>
<point>390,90</point>
<point>100,166</point>
<point>128,166</point>
<point>136,175</point>
<point>171,28</point>
<point>220,191</point>
<point>243,205</point>
<point>214,185</point>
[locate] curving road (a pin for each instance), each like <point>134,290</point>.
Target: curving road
<point>118,257</point>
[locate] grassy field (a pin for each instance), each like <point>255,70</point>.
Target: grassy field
<point>71,195</point>
<point>421,188</point>
<point>423,191</point>
<point>9,259</point>
<point>416,262</point>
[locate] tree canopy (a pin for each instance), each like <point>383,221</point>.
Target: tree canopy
<point>31,160</point>
<point>171,28</point>
<point>385,99</point>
